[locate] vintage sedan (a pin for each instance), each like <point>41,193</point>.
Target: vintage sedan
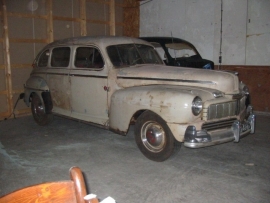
<point>114,82</point>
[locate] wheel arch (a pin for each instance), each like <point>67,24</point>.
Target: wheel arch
<point>154,137</point>
<point>37,85</point>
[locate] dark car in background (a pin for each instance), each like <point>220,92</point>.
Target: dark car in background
<point>178,52</point>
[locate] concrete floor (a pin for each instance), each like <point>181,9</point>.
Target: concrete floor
<point>114,166</point>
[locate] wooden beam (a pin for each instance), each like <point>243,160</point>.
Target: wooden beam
<point>18,91</point>
<point>21,65</point>
<point>17,40</point>
<point>17,112</point>
<point>23,112</point>
<point>83,17</point>
<point>49,21</point>
<point>17,66</point>
<point>3,92</point>
<point>112,17</point>
<point>131,18</point>
<point>98,22</point>
<point>26,15</point>
<point>4,115</point>
<point>66,19</point>
<point>99,1</point>
<point>7,58</point>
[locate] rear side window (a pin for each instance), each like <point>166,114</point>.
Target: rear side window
<point>60,57</point>
<point>88,57</point>
<point>43,59</point>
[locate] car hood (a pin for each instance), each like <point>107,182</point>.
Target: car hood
<point>138,75</point>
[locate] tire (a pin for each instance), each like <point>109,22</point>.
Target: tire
<point>154,138</point>
<point>38,111</point>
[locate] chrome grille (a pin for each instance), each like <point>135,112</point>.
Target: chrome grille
<point>222,110</point>
<point>226,109</point>
<point>218,125</point>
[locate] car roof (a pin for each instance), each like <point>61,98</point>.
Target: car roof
<point>168,40</point>
<point>165,40</point>
<point>102,41</point>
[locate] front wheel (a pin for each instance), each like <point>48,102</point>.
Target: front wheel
<point>38,111</point>
<point>154,138</point>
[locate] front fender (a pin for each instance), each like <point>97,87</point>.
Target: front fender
<point>34,84</point>
<point>171,103</point>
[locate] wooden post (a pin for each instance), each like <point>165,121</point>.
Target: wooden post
<point>112,17</point>
<point>83,17</point>
<point>49,21</point>
<point>7,58</point>
<point>131,18</point>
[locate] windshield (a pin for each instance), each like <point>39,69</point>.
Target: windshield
<point>132,54</point>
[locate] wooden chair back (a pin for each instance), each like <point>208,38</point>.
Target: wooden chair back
<point>69,191</point>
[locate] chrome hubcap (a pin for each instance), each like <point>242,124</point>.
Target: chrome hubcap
<point>153,136</point>
<point>38,108</point>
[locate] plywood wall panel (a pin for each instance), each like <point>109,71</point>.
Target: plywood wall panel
<point>39,28</point>
<point>2,80</point>
<point>97,11</point>
<point>119,14</point>
<point>95,29</point>
<point>19,77</point>
<point>22,53</point>
<point>65,29</point>
<point>119,30</point>
<point>67,8</point>
<point>1,54</point>
<point>25,6</point>
<point>37,48</point>
<point>20,27</point>
<point>3,105</point>
<point>27,28</point>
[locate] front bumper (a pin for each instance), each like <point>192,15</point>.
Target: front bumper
<point>203,138</point>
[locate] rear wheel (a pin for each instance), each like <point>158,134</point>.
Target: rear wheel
<point>38,111</point>
<point>154,138</point>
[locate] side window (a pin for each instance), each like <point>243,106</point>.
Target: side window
<point>88,57</point>
<point>60,57</point>
<point>43,59</point>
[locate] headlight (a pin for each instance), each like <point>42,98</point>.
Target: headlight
<point>196,106</point>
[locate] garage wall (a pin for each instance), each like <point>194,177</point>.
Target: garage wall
<point>257,80</point>
<point>245,27</point>
<point>258,33</point>
<point>28,25</point>
<point>243,42</point>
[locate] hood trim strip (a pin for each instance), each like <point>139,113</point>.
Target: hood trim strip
<point>172,80</point>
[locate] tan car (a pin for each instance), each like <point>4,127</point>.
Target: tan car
<point>114,82</point>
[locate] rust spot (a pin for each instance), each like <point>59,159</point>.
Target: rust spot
<point>117,131</point>
<point>259,34</point>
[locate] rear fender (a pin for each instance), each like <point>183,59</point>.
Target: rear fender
<point>34,84</point>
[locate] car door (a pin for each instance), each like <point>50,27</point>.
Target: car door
<point>58,80</point>
<point>89,79</point>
